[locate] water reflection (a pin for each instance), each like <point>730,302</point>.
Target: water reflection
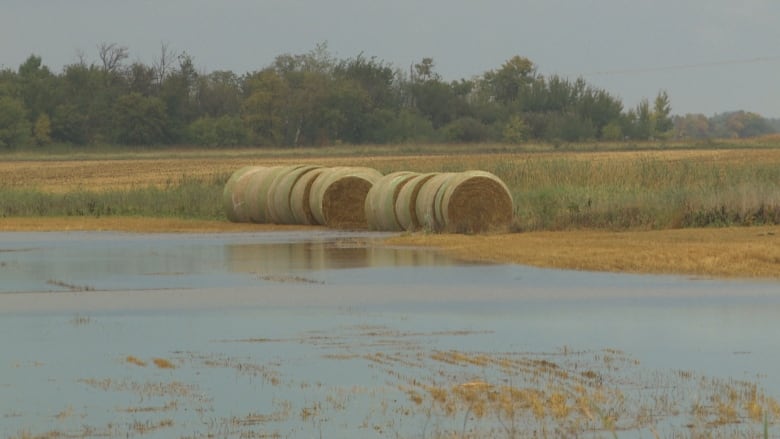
<point>326,255</point>
<point>110,261</point>
<point>247,348</point>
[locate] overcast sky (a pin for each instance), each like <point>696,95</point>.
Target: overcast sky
<point>710,55</point>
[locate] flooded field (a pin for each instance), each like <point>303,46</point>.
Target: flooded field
<point>329,334</point>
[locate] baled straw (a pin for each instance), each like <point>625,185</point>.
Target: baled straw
<point>279,194</point>
<point>300,195</point>
<point>316,192</point>
<point>405,204</point>
<point>425,205</point>
<point>338,196</point>
<point>234,195</point>
<point>380,201</point>
<point>257,193</point>
<point>475,202</point>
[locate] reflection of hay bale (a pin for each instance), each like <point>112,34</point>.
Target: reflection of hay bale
<point>405,203</point>
<point>280,191</point>
<point>380,201</point>
<point>473,202</point>
<point>338,195</point>
<point>299,197</point>
<point>257,193</point>
<point>425,205</point>
<point>234,195</point>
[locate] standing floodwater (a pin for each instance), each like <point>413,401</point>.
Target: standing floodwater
<point>305,334</point>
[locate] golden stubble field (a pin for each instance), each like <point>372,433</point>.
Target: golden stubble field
<point>152,168</point>
<point>729,252</point>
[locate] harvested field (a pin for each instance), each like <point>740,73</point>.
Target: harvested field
<point>64,174</point>
<point>595,192</point>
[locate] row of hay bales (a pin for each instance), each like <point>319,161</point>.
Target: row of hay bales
<point>360,198</point>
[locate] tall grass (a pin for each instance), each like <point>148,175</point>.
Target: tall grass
<point>551,192</point>
<point>186,198</point>
<point>560,193</point>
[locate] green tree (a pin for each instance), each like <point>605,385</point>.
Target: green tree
<point>692,126</point>
<point>612,131</point>
<point>42,130</point>
<point>219,93</point>
<point>507,84</point>
<point>644,124</point>
<point>69,124</point>
<point>403,126</point>
<point>263,111</point>
<point>662,110</point>
<point>139,120</point>
<point>516,131</point>
<point>8,83</point>
<point>89,95</point>
<point>14,126</point>
<point>219,132</point>
<point>178,94</point>
<point>37,87</point>
<point>141,78</point>
<point>436,101</point>
<point>424,71</point>
<point>362,90</point>
<point>374,77</point>
<point>465,129</point>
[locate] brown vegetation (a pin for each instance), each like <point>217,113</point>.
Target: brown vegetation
<point>159,169</point>
<point>728,252</point>
<point>745,252</point>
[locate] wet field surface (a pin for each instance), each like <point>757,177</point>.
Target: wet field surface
<point>330,334</point>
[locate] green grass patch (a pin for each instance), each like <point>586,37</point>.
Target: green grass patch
<point>187,198</point>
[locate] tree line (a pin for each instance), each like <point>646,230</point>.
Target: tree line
<point>316,99</point>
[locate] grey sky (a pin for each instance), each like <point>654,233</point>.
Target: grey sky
<point>710,55</point>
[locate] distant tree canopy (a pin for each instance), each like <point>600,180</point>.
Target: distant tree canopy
<point>316,99</point>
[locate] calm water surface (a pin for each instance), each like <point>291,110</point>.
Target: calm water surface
<point>265,328</point>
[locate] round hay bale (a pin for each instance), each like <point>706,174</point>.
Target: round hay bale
<point>425,205</point>
<point>300,195</point>
<point>257,193</point>
<point>317,189</point>
<point>234,194</point>
<point>405,203</point>
<point>380,201</point>
<point>278,202</point>
<point>338,195</point>
<point>475,202</point>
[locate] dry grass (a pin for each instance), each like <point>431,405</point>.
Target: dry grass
<point>744,252</point>
<point>134,224</point>
<point>162,363</point>
<point>723,252</point>
<point>135,360</point>
<point>124,172</point>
